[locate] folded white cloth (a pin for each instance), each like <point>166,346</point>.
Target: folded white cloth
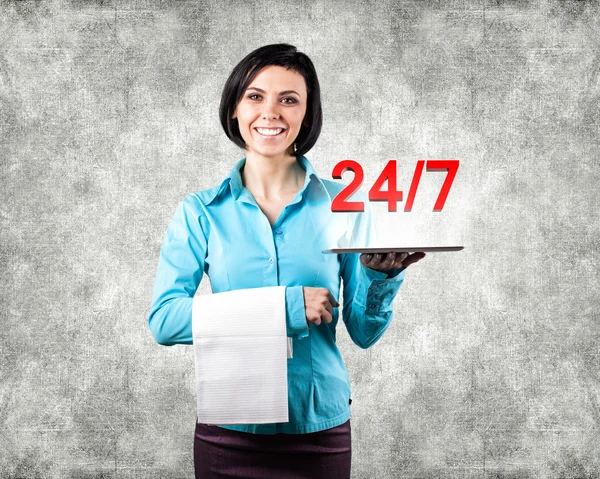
<point>240,353</point>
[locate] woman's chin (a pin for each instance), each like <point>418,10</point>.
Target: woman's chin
<point>272,152</point>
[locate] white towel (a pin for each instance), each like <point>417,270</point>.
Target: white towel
<point>240,352</point>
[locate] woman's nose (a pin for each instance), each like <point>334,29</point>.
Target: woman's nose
<point>270,111</point>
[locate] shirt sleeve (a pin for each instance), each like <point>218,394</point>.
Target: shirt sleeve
<point>297,324</point>
<point>180,269</point>
<point>368,295</point>
<point>179,272</point>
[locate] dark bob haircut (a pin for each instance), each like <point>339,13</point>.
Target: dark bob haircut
<point>284,55</point>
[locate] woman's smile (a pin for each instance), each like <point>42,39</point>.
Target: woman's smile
<point>270,133</point>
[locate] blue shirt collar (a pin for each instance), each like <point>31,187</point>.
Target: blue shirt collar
<point>234,180</point>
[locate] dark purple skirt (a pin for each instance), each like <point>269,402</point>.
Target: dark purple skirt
<point>223,453</point>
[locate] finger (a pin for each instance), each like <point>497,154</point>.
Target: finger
<point>326,317</point>
<point>413,258</point>
<point>387,261</point>
<point>373,260</point>
<point>313,315</point>
<point>366,258</point>
<point>400,261</point>
<point>332,300</point>
<point>377,258</point>
<point>388,264</point>
<point>328,307</point>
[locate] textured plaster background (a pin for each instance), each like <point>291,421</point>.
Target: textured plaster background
<point>108,118</point>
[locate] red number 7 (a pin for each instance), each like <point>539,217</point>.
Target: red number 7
<point>451,166</point>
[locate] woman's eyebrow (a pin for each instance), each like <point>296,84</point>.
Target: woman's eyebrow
<point>286,92</point>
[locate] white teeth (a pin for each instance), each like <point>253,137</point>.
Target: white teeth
<point>265,131</point>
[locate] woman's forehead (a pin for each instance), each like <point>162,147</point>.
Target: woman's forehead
<point>275,77</point>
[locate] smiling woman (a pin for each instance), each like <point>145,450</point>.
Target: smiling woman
<point>241,84</point>
<point>270,120</point>
<point>266,225</point>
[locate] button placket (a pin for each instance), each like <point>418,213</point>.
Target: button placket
<point>271,250</point>
<point>276,236</point>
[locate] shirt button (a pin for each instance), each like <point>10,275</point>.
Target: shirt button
<point>271,260</point>
<point>371,306</point>
<point>278,232</point>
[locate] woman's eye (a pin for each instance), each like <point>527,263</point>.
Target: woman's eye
<point>287,99</point>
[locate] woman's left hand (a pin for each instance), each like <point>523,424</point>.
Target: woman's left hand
<point>387,262</point>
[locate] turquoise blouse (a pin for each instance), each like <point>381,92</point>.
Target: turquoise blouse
<point>222,232</point>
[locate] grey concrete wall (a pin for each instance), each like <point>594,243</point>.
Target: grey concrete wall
<point>108,118</point>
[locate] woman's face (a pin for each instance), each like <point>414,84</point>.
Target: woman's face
<point>271,111</point>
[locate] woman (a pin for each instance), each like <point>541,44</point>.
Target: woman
<point>265,225</point>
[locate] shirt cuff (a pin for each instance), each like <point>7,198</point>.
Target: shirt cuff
<point>381,290</point>
<point>297,325</point>
<point>395,275</point>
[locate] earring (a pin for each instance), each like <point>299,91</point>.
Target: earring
<point>294,147</point>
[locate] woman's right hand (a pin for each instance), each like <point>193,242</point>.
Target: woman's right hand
<point>319,304</point>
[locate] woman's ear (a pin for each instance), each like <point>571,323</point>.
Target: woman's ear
<point>305,123</point>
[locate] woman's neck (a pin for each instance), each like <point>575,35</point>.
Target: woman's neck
<point>272,178</point>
